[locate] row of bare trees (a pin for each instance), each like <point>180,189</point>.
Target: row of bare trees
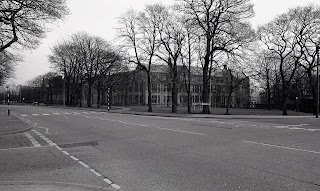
<point>207,32</point>
<point>85,61</point>
<point>292,41</point>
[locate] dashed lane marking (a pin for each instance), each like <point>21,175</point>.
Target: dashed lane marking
<point>141,125</point>
<point>56,113</point>
<point>282,147</point>
<point>296,127</point>
<point>83,164</point>
<point>95,172</point>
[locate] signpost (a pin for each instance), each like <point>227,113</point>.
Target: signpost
<point>8,91</point>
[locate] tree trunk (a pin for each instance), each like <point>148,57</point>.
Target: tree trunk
<point>284,100</point>
<point>149,93</point>
<point>205,91</point>
<point>228,101</point>
<point>268,91</point>
<point>99,95</point>
<point>189,75</point>
<point>174,88</point>
<point>89,94</point>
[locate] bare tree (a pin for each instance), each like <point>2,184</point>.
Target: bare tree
<point>23,21</point>
<point>109,62</point>
<point>139,30</point>
<point>286,38</point>
<point>309,17</point>
<point>188,53</point>
<point>217,21</point>
<point>171,40</point>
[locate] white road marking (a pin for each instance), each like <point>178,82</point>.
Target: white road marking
<point>117,187</point>
<point>107,181</point>
<point>74,158</point>
<point>282,147</point>
<point>95,172</point>
<point>34,142</point>
<point>136,124</point>
<point>83,164</point>
<point>45,114</point>
<point>296,127</point>
<point>24,115</point>
<point>35,114</point>
<point>114,186</point>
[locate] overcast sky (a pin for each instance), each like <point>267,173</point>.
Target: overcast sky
<point>99,17</point>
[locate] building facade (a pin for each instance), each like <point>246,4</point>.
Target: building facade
<point>132,90</point>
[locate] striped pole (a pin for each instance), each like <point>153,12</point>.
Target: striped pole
<point>108,99</point>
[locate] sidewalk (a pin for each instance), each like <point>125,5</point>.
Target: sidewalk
<point>164,111</point>
<point>48,186</point>
<point>11,124</point>
<point>236,113</point>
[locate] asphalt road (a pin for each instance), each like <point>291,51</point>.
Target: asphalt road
<point>147,153</point>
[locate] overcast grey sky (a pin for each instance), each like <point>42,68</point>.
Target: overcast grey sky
<point>99,17</point>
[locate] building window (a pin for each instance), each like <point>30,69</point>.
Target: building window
<point>154,99</point>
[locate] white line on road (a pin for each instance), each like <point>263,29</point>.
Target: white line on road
<point>107,181</point>
<point>114,186</point>
<point>34,142</point>
<point>282,147</point>
<point>136,124</point>
<point>95,172</point>
<point>83,164</point>
<point>74,158</point>
<point>189,132</point>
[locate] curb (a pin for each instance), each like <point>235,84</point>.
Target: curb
<point>181,115</point>
<point>16,132</point>
<point>18,185</point>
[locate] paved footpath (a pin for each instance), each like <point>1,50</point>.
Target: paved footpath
<point>10,124</point>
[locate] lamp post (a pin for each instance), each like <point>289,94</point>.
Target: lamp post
<point>8,91</point>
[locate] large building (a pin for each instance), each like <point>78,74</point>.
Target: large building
<point>131,89</point>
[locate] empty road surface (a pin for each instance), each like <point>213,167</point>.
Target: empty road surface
<point>102,151</point>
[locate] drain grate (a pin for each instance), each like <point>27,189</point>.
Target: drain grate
<point>82,144</point>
